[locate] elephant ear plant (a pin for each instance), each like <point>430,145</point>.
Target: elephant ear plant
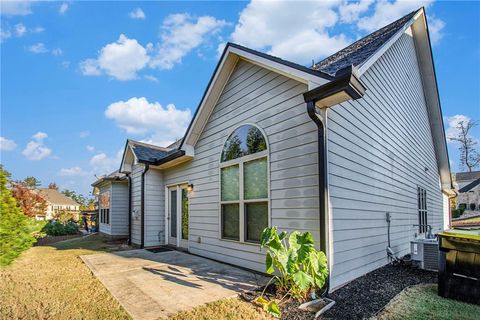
<point>296,265</point>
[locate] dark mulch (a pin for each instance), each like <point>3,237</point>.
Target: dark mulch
<point>361,298</point>
<point>367,295</point>
<point>48,240</point>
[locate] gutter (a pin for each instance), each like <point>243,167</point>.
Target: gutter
<point>129,209</point>
<point>346,86</point>
<point>142,207</point>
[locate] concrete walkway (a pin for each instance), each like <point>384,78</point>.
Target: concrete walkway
<point>157,285</point>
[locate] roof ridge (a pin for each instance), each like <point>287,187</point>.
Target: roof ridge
<point>362,43</point>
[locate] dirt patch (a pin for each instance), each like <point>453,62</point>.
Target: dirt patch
<point>54,239</point>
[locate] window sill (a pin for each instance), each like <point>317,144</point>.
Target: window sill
<point>253,244</point>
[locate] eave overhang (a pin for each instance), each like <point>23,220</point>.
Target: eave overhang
<point>346,86</point>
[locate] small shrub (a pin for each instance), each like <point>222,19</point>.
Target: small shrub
<point>462,206</point>
<point>456,213</point>
<point>472,206</point>
<point>56,228</point>
<point>300,267</point>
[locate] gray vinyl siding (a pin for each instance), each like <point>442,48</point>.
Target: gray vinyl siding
<point>275,104</point>
<point>154,208</point>
<point>136,177</point>
<point>119,209</point>
<point>380,150</point>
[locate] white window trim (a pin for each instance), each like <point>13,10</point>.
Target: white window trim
<point>423,209</point>
<point>241,201</point>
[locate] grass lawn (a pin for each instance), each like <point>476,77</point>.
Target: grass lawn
<point>422,302</point>
<point>52,282</point>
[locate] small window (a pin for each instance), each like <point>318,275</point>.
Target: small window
<point>105,207</point>
<point>244,185</point>
<point>422,210</point>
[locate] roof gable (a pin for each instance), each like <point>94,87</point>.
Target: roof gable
<point>360,51</point>
<point>470,186</point>
<point>55,197</point>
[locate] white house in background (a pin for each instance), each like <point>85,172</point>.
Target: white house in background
<point>113,204</point>
<point>328,149</point>
<point>468,186</point>
<point>57,202</point>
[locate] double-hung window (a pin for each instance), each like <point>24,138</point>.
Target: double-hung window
<point>422,210</point>
<point>105,207</point>
<point>244,185</point>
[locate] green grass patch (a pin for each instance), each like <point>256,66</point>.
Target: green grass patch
<point>422,302</point>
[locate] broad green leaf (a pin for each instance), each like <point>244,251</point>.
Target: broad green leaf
<point>302,280</point>
<point>261,301</point>
<point>273,309</point>
<point>282,257</point>
<point>303,242</point>
<point>283,235</point>
<point>292,265</point>
<point>320,280</point>
<point>267,235</point>
<point>269,263</point>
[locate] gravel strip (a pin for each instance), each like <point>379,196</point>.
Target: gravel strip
<point>367,295</point>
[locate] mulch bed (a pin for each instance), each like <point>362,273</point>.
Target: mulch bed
<point>361,298</point>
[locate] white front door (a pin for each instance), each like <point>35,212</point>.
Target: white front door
<point>178,222</point>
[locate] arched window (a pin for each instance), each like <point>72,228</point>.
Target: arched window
<point>244,185</point>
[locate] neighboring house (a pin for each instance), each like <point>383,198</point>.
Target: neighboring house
<point>329,149</point>
<point>113,201</point>
<point>57,202</point>
<point>468,186</point>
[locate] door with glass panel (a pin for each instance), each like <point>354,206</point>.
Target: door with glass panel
<point>178,216</point>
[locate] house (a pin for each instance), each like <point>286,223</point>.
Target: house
<point>57,202</point>
<point>112,192</point>
<point>468,186</point>
<point>329,149</point>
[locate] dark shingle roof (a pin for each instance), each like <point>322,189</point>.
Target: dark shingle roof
<point>114,176</point>
<point>359,51</point>
<point>467,176</point>
<point>151,153</point>
<point>470,186</point>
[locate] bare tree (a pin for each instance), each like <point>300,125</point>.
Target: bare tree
<point>469,156</point>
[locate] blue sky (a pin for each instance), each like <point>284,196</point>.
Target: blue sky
<point>78,78</point>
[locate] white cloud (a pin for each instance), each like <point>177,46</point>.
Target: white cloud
<point>7,144</point>
<point>102,164</point>
<point>63,8</point>
<point>138,116</point>
<point>350,11</point>
<point>435,28</point>
<point>294,32</point>
<point>151,78</point>
<point>84,134</point>
<point>90,148</point>
<point>73,171</point>
<point>57,52</point>
<point>121,59</point>
<point>182,33</point>
<point>137,14</point>
<point>37,29</point>
<point>452,122</point>
<point>20,29</point>
<point>38,48</point>
<point>4,33</point>
<point>15,8</point>
<point>35,149</point>
<point>386,12</point>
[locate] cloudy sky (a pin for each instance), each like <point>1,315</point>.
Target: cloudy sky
<point>78,78</point>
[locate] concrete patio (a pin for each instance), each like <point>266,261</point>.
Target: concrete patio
<point>157,285</point>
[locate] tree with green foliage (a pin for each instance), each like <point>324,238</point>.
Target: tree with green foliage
<point>32,182</point>
<point>53,185</point>
<point>255,141</point>
<point>15,227</point>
